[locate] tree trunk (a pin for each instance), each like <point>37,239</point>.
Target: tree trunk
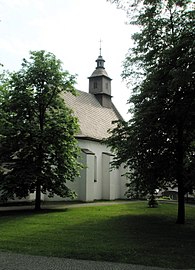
<point>180,180</point>
<point>40,161</point>
<point>38,197</point>
<point>181,204</point>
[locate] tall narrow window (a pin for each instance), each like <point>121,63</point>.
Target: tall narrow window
<point>95,85</point>
<point>95,169</point>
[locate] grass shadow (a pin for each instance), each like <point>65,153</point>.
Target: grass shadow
<point>130,234</point>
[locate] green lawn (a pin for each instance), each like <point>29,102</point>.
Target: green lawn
<point>130,233</point>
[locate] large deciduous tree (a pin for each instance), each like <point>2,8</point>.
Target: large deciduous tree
<point>38,149</point>
<point>158,142</point>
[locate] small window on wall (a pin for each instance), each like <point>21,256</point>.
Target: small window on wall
<point>106,85</point>
<point>95,85</point>
<point>95,169</point>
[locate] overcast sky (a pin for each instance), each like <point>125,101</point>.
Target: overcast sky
<point>71,29</point>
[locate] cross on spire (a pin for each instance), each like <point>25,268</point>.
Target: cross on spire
<point>100,47</point>
<point>100,61</point>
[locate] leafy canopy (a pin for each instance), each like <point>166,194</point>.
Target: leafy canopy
<point>38,149</point>
<point>157,143</point>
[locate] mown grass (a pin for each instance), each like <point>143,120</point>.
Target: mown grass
<point>129,233</point>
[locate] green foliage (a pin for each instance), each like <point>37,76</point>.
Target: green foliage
<point>38,149</point>
<point>157,144</point>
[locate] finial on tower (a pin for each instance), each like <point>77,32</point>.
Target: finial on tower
<point>100,47</point>
<point>100,61</point>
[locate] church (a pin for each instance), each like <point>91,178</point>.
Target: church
<point>95,112</point>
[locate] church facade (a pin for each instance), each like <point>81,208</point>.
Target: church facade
<point>96,112</point>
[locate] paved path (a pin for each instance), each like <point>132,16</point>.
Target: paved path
<point>12,261</point>
<point>63,205</point>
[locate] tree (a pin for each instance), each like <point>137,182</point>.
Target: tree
<point>157,143</point>
<point>38,149</point>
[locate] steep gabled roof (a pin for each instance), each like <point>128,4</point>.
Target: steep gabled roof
<point>94,119</point>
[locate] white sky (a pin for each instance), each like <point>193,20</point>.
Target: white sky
<point>71,29</point>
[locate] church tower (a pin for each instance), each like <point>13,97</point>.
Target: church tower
<point>100,83</point>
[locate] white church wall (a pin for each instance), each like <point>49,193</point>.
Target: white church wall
<point>29,198</point>
<point>106,189</point>
<point>86,179</point>
<point>96,175</point>
<point>102,183</point>
<point>112,180</point>
<point>81,192</point>
<point>115,184</point>
<point>96,180</point>
<point>123,181</point>
<point>74,186</point>
<point>90,178</point>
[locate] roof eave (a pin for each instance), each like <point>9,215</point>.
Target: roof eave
<point>87,138</point>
